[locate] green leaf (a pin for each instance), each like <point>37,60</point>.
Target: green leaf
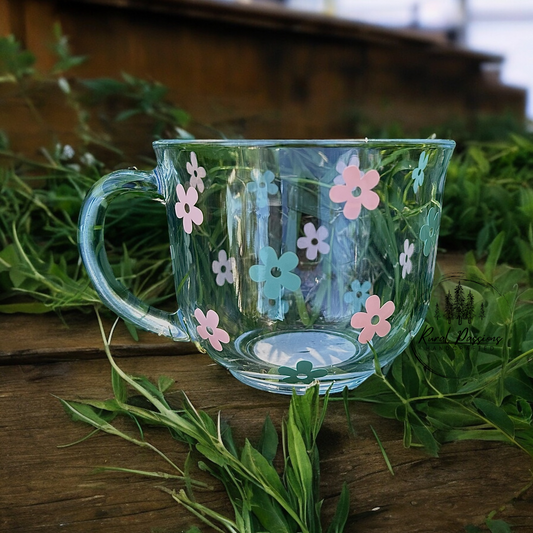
<point>522,389</point>
<point>342,511</point>
<point>299,459</point>
<point>268,444</point>
<point>31,308</point>
<point>212,454</point>
<point>424,435</point>
<point>257,464</point>
<point>495,250</point>
<point>164,383</point>
<point>268,512</point>
<point>498,526</point>
<point>120,389</point>
<point>472,529</point>
<point>80,412</point>
<point>496,415</point>
<point>383,452</point>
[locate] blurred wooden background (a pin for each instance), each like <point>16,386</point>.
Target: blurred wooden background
<point>254,70</point>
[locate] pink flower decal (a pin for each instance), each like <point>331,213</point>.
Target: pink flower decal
<point>356,192</point>
<point>196,173</point>
<point>223,268</point>
<point>186,208</point>
<point>313,242</point>
<point>373,321</point>
<point>208,328</point>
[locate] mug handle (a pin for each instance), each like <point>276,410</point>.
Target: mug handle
<point>92,249</point>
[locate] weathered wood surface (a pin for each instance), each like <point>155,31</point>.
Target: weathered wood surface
<point>44,488</point>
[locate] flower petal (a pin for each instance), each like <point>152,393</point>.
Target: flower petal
<point>291,281</point>
<point>312,252</point>
<point>196,215</point>
<point>304,367</point>
<point>360,320</point>
<point>211,319</point>
<point>287,261</point>
<point>373,305</point>
<point>322,233</point>
<point>366,335</point>
<point>352,177</point>
<point>268,256</point>
<point>323,247</point>
<point>340,193</point>
<point>257,273</point>
<point>370,200</point>
<point>386,310</point>
<point>382,328</point>
<point>352,208</point>
<point>370,179</point>
<point>310,231</point>
<point>180,191</point>
<point>303,242</point>
<point>272,287</point>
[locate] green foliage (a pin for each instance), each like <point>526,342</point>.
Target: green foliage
<point>489,189</point>
<point>15,63</point>
<point>40,198</point>
<point>457,393</point>
<point>263,499</point>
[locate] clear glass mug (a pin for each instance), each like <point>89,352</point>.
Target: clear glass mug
<point>294,261</point>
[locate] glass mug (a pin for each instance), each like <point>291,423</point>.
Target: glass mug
<point>295,262</point>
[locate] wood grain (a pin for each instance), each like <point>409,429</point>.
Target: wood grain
<point>46,489</point>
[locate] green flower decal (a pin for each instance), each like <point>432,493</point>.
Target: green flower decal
<point>276,273</point>
<point>418,172</point>
<point>303,373</point>
<point>430,230</point>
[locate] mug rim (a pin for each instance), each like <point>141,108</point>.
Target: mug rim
<point>332,143</point>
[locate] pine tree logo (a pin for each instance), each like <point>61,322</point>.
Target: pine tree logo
<point>460,307</point>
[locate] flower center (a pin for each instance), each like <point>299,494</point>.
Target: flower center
<point>375,320</point>
<point>301,376</point>
<point>187,208</point>
<point>222,269</point>
<point>275,272</point>
<point>356,192</point>
<point>358,294</point>
<point>314,241</point>
<point>210,330</point>
<point>431,231</point>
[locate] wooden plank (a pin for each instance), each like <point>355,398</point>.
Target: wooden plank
<point>47,489</point>
<point>74,335</point>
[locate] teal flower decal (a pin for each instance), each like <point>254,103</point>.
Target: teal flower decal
<point>358,295</point>
<point>303,373</point>
<point>430,230</point>
<point>262,185</point>
<point>276,273</point>
<point>418,172</point>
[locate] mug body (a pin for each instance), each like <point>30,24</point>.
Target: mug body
<point>302,261</point>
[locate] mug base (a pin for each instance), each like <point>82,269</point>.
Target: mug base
<point>265,383</point>
<point>285,360</point>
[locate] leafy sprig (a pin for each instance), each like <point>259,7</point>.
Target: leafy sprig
<point>263,499</point>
